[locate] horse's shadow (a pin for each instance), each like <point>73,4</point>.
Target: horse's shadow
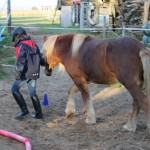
<point>110,102</point>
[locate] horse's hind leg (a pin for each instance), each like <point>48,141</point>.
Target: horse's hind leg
<point>139,101</point>
<point>70,108</point>
<point>132,122</point>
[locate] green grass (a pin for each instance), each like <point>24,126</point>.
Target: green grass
<point>6,55</point>
<point>116,85</point>
<point>9,60</point>
<point>6,52</point>
<point>33,20</point>
<point>43,25</point>
<point>38,21</point>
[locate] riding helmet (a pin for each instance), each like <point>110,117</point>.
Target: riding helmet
<point>18,31</point>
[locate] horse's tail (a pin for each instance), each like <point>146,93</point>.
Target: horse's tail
<point>145,57</point>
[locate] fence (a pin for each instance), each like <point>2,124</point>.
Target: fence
<point>4,23</point>
<point>1,27</point>
<point>103,29</point>
<point>50,13</point>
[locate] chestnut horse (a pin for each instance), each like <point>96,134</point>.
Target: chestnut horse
<point>86,60</point>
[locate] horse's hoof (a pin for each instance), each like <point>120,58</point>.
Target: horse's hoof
<point>70,116</point>
<point>90,121</point>
<point>127,128</point>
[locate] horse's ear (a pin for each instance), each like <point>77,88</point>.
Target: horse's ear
<point>45,38</point>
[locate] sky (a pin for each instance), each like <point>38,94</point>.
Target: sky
<point>27,4</point>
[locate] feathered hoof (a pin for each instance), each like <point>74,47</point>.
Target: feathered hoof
<point>70,116</point>
<point>90,121</point>
<point>128,128</point>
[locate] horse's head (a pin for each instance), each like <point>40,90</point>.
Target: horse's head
<point>57,47</point>
<point>50,55</point>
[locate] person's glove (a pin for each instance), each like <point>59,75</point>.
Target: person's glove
<point>17,75</point>
<point>48,72</point>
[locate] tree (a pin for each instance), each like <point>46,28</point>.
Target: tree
<point>34,8</point>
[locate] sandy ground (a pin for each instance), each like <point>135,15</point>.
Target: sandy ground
<point>112,105</point>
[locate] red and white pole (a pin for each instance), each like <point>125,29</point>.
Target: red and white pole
<point>17,137</point>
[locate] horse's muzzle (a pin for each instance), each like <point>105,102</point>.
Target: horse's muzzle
<point>48,72</point>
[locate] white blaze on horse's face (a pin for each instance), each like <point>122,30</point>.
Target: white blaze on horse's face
<point>49,49</point>
<point>77,41</point>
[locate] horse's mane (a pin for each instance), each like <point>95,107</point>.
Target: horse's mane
<point>49,46</point>
<point>78,39</point>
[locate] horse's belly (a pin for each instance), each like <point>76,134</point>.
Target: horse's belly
<point>104,79</point>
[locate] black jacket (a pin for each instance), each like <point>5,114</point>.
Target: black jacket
<point>28,59</point>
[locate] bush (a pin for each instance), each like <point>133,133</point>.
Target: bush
<point>34,8</point>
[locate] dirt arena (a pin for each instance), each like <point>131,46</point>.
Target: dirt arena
<point>112,105</point>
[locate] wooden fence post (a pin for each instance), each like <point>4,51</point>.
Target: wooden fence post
<point>146,11</point>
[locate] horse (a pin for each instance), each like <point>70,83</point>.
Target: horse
<point>103,61</point>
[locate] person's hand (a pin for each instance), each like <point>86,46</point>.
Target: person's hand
<point>17,75</point>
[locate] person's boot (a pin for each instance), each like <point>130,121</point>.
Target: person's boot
<point>21,102</point>
<point>37,107</point>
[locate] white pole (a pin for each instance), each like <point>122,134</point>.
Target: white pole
<point>82,16</point>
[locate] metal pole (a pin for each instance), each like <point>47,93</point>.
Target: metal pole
<point>82,16</point>
<point>104,28</point>
<point>123,30</point>
<point>77,15</point>
<point>54,15</point>
<point>9,16</point>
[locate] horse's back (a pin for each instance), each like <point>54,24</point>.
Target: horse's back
<point>124,60</point>
<point>126,44</point>
<point>106,61</point>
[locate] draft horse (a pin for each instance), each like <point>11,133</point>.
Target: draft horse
<point>102,61</point>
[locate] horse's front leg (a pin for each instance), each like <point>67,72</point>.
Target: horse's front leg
<point>90,118</point>
<point>70,108</point>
